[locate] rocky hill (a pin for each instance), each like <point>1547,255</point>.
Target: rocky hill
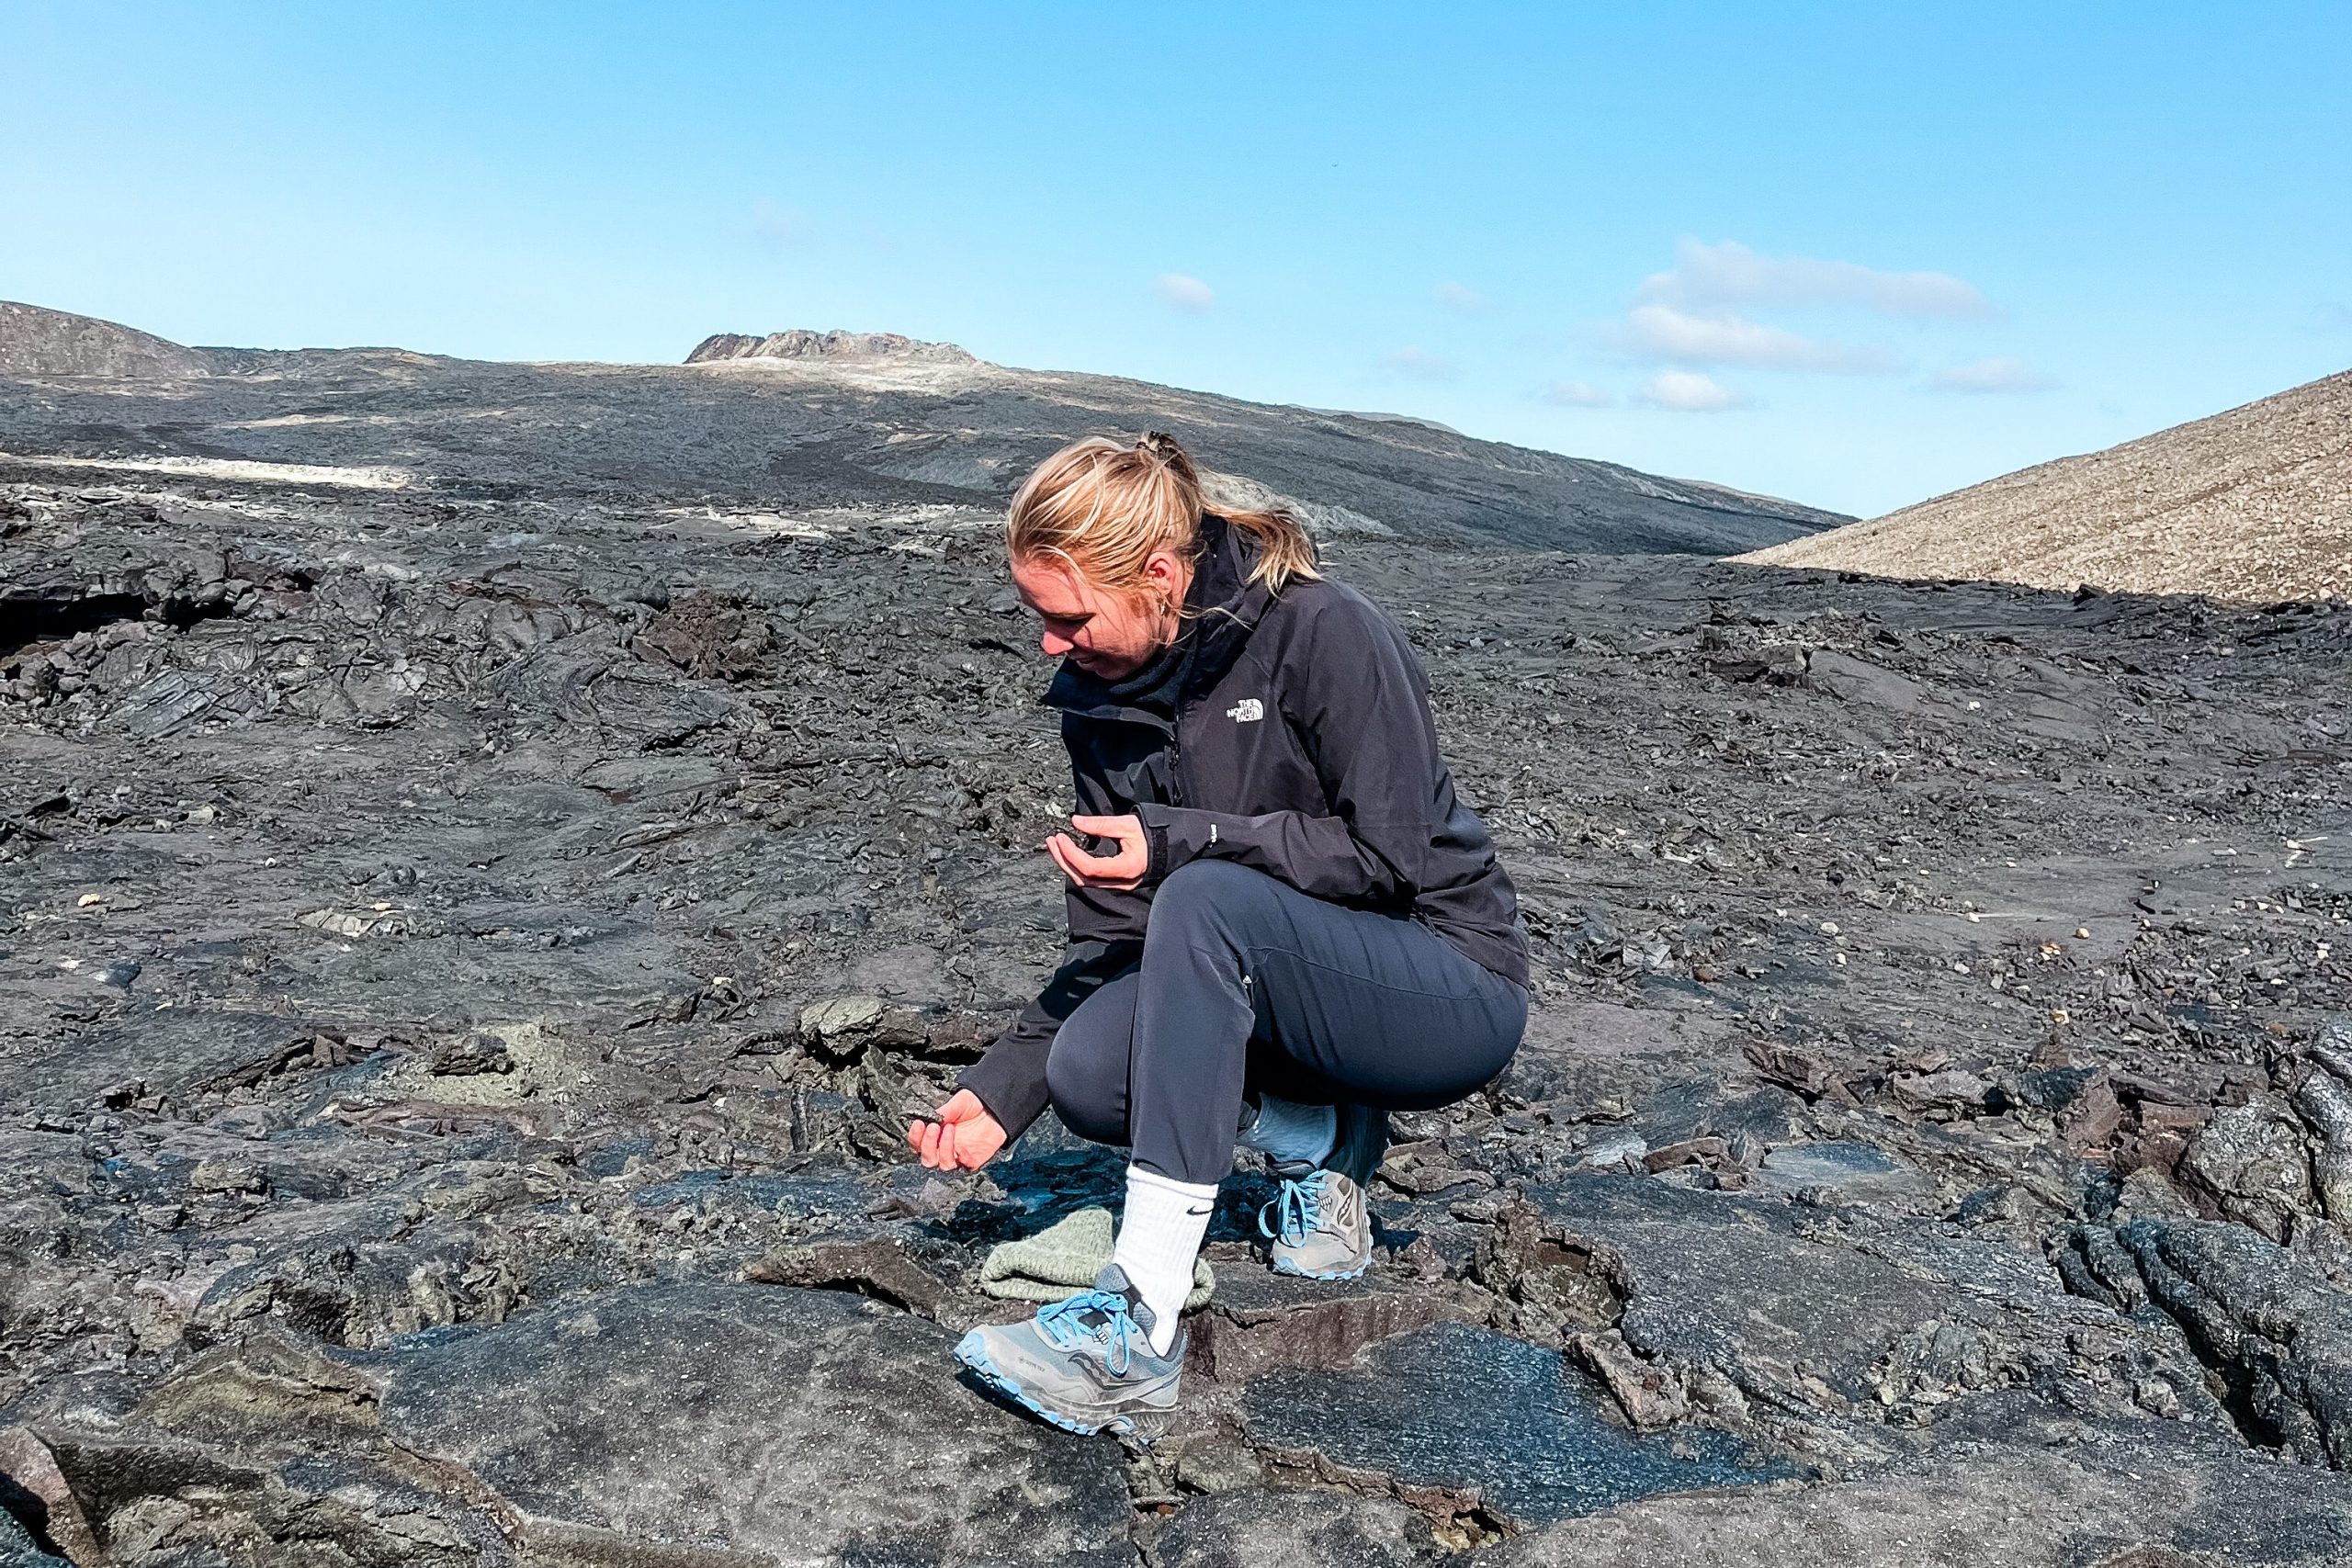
<point>40,342</point>
<point>802,344</point>
<point>2255,505</point>
<point>801,421</point>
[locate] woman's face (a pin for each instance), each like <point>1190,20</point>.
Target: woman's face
<point>1107,635</point>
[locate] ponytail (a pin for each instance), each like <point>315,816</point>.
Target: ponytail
<point>1285,549</point>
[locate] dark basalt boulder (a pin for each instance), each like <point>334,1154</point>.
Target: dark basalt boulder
<point>689,1424</point>
<point>806,1424</point>
<point>2138,1497</point>
<point>2281,1333</point>
<point>1264,1527</point>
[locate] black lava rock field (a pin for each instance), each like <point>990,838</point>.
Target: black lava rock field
<point>492,855</point>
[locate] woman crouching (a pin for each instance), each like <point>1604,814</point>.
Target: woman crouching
<point>1294,926</point>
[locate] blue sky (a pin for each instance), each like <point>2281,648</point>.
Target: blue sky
<point>1855,254</point>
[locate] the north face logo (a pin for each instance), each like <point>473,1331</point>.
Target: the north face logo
<point>1248,710</point>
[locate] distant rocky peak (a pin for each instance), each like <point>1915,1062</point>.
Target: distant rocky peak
<point>800,343</point>
<point>37,342</point>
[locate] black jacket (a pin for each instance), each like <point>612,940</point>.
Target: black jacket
<point>1301,744</point>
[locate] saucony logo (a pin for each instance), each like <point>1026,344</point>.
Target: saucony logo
<point>1248,710</point>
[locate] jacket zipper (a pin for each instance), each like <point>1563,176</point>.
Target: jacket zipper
<point>1176,774</point>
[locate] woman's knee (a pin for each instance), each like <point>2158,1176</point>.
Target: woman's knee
<point>1206,890</point>
<point>1087,1082</point>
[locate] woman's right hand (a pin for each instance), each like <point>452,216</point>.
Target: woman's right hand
<point>961,1135</point>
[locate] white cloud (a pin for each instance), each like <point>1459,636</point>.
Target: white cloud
<point>1717,276</point>
<point>2002,372</point>
<point>1189,295</point>
<point>1460,296</point>
<point>1417,363</point>
<point>1686,391</point>
<point>1576,395</point>
<point>1661,332</point>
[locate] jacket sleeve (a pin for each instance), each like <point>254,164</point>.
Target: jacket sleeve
<point>1106,928</point>
<point>1009,1079</point>
<point>1360,705</point>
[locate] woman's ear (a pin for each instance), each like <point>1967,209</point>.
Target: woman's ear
<point>1167,573</point>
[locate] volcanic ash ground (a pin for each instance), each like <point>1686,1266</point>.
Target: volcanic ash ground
<point>471,957</point>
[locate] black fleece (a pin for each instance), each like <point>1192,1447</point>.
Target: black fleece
<point>1299,744</point>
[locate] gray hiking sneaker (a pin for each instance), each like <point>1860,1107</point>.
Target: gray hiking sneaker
<point>1325,1230</point>
<point>1084,1363</point>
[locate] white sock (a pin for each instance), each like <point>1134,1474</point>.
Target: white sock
<point>1296,1134</point>
<point>1159,1236</point>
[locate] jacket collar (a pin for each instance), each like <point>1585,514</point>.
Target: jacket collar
<point>1222,608</point>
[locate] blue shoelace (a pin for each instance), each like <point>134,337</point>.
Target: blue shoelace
<point>1065,1323</point>
<point>1301,1202</point>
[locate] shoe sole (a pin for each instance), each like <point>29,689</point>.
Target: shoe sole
<point>1283,1266</point>
<point>970,1352</point>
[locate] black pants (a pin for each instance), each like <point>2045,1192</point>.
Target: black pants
<point>1247,985</point>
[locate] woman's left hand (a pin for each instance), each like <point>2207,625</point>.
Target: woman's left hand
<point>1121,870</point>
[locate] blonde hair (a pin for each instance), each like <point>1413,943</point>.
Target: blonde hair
<point>1104,509</point>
